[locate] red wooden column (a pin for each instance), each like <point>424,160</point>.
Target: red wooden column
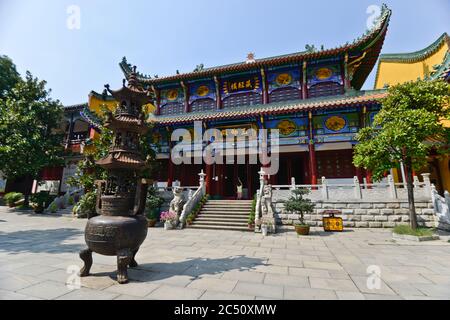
<point>158,100</point>
<point>218,97</point>
<point>170,173</point>
<point>265,86</point>
<point>209,172</point>
<point>368,176</point>
<point>186,96</point>
<point>312,152</point>
<point>304,81</point>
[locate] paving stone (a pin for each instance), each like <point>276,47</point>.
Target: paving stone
<point>213,295</point>
<point>257,289</point>
<point>361,283</point>
<point>137,289</point>
<point>46,290</point>
<point>279,279</point>
<point>247,276</point>
<point>323,265</point>
<point>350,295</point>
<point>16,282</point>
<point>333,284</point>
<point>295,293</point>
<point>221,285</point>
<point>168,292</point>
<point>88,294</point>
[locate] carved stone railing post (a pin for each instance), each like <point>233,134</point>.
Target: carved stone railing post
<point>324,189</point>
<point>357,188</point>
<point>416,182</point>
<point>392,187</point>
<point>293,183</point>
<point>193,199</point>
<point>259,194</point>
<point>427,184</point>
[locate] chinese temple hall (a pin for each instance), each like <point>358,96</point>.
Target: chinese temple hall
<point>313,97</point>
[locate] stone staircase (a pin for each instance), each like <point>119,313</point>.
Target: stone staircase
<point>224,215</point>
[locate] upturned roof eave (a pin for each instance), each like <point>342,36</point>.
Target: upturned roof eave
<point>372,96</point>
<point>363,43</point>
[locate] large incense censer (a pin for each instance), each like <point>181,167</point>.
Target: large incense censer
<point>120,226</point>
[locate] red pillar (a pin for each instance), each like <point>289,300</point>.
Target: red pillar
<point>368,176</point>
<point>209,178</point>
<point>312,152</point>
<point>170,173</point>
<point>304,82</point>
<point>312,163</point>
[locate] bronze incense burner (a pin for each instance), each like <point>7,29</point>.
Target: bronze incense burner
<point>120,227</point>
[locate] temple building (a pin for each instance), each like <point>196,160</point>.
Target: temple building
<point>313,98</point>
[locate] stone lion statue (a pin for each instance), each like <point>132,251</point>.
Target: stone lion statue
<point>266,201</point>
<point>176,205</point>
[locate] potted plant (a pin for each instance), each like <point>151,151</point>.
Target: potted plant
<point>12,197</point>
<point>40,201</point>
<point>152,217</point>
<point>168,218</point>
<point>152,206</point>
<point>297,204</point>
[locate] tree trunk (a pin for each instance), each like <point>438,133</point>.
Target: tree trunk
<point>410,187</point>
<point>28,189</point>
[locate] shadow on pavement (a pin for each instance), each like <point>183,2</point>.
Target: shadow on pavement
<point>40,241</point>
<point>192,267</point>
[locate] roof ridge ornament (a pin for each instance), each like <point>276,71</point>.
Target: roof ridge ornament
<point>250,58</point>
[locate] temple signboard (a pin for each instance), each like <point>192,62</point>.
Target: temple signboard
<point>244,84</point>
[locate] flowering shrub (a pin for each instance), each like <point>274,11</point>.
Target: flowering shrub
<point>167,216</point>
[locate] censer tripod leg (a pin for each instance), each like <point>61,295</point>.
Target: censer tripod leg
<point>133,263</point>
<point>86,256</point>
<point>123,260</point>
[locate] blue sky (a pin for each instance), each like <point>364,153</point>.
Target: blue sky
<point>161,36</point>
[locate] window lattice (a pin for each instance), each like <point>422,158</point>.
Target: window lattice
<point>172,108</point>
<point>325,89</point>
<point>284,94</point>
<point>242,99</point>
<point>203,105</point>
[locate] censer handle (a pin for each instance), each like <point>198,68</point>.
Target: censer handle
<point>141,197</point>
<point>98,203</point>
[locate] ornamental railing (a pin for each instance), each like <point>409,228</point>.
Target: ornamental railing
<point>193,199</point>
<point>382,191</point>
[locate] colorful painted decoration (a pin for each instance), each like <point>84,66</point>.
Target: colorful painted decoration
<point>201,90</point>
<point>171,95</point>
<point>286,127</point>
<point>284,78</point>
<point>335,123</point>
<point>323,74</point>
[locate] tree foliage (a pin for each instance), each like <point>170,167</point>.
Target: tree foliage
<point>405,130</point>
<point>29,136</point>
<point>297,203</point>
<point>8,76</point>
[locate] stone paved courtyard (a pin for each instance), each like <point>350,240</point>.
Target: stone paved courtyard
<point>35,252</point>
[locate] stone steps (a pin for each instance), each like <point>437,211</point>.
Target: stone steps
<point>223,215</point>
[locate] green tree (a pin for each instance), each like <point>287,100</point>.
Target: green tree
<point>8,76</point>
<point>405,130</point>
<point>29,136</point>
